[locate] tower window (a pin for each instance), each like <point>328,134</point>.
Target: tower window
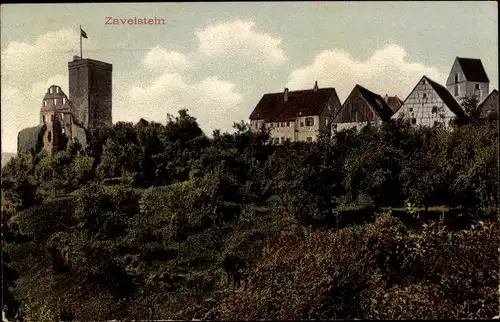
<point>44,103</point>
<point>49,136</point>
<point>43,118</point>
<point>55,101</point>
<point>57,90</point>
<point>64,100</point>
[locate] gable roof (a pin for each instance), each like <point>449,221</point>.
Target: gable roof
<point>376,102</point>
<point>447,98</point>
<point>272,107</point>
<point>489,107</point>
<point>473,70</point>
<point>394,103</point>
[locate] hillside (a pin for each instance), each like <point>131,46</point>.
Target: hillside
<point>162,222</point>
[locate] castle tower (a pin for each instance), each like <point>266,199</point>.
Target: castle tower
<point>55,115</point>
<point>90,92</point>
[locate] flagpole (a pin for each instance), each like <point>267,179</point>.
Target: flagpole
<point>81,55</point>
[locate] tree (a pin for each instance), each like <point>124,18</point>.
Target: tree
<point>470,105</point>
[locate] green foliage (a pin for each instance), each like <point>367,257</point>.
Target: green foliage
<point>139,225</point>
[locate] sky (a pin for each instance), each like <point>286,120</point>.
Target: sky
<point>218,59</point>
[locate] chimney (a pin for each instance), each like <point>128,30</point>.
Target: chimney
<point>316,86</point>
<point>386,98</point>
<point>286,94</point>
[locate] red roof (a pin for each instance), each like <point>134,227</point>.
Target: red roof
<point>394,103</point>
<point>272,107</point>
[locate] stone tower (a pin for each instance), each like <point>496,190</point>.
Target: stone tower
<point>90,92</point>
<point>55,115</point>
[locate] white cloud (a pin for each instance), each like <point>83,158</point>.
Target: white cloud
<point>386,71</point>
<point>38,89</point>
<point>22,61</point>
<point>210,101</point>
<point>25,67</point>
<point>161,59</point>
<point>16,115</point>
<point>239,39</point>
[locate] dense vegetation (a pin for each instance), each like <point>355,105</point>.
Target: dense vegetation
<point>390,222</point>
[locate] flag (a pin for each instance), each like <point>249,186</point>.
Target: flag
<point>83,33</point>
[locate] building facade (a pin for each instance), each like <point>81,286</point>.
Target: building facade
<point>296,116</point>
<point>430,104</point>
<point>360,108</point>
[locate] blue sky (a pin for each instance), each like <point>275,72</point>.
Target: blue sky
<point>218,59</point>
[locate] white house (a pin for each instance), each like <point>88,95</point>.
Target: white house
<point>429,104</point>
<point>296,115</point>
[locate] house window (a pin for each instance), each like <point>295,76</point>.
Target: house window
<point>44,103</point>
<point>277,124</point>
<point>477,87</point>
<point>309,121</point>
<point>57,90</point>
<point>277,140</point>
<point>434,109</point>
<point>282,139</point>
<point>282,124</point>
<point>62,116</point>
<point>287,124</point>
<point>309,139</point>
<point>425,96</point>
<point>456,90</point>
<point>43,118</point>
<point>63,130</point>
<point>55,101</point>
<point>411,109</point>
<point>456,78</point>
<point>436,123</point>
<point>423,82</point>
<point>413,121</point>
<point>64,100</point>
<point>301,124</point>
